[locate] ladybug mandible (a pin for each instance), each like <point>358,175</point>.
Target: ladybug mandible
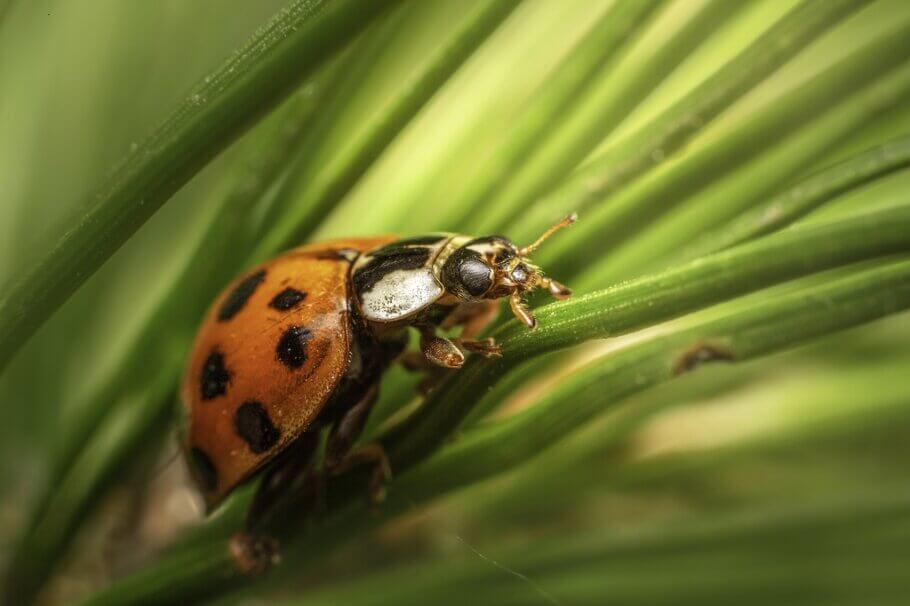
<point>300,342</point>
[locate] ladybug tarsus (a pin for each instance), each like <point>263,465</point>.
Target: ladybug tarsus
<point>485,347</point>
<point>253,554</point>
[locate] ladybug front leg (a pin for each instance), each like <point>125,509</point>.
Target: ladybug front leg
<point>439,350</point>
<point>417,361</point>
<point>474,318</point>
<point>438,353</point>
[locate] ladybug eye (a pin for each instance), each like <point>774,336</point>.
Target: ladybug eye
<point>476,276</point>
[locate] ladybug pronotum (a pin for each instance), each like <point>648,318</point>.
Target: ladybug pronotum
<point>300,342</point>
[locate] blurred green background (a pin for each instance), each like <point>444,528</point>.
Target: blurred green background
<point>677,129</point>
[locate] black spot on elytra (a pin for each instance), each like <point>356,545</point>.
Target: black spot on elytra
<point>203,470</point>
<point>287,299</point>
<point>292,346</point>
<point>240,295</point>
<point>253,425</point>
<point>215,376</point>
<point>386,260</point>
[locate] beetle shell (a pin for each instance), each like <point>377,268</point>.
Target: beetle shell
<point>268,357</point>
<point>301,342</point>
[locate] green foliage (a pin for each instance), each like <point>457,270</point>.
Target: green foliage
<point>251,82</point>
<point>740,170</point>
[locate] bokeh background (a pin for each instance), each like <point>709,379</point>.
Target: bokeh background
<point>781,479</point>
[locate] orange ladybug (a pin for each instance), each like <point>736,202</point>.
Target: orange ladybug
<point>300,343</point>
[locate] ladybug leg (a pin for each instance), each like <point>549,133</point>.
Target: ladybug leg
<point>348,428</point>
<point>439,350</point>
<point>253,554</point>
<point>294,487</point>
<point>475,317</point>
<point>485,347</point>
<point>414,361</point>
<point>373,454</point>
<point>290,474</point>
<point>438,353</point>
<point>340,458</point>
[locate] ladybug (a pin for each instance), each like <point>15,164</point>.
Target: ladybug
<point>300,342</point>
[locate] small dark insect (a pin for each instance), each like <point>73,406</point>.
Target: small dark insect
<point>701,353</point>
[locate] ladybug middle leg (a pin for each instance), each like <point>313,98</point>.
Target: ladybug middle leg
<point>295,487</point>
<point>292,476</point>
<point>340,458</point>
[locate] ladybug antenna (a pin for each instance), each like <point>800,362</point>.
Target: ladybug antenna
<point>565,222</point>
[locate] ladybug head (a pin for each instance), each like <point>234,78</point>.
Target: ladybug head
<point>493,267</point>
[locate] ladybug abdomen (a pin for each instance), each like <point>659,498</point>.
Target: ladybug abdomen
<point>270,354</point>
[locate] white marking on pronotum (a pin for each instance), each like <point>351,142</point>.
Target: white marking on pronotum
<point>400,293</point>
